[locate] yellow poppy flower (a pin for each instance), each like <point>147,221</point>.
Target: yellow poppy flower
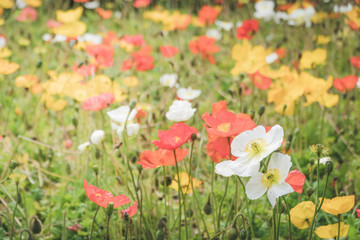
<point>331,231</point>
<point>298,5</point>
<point>338,205</point>
<point>26,81</point>
<point>319,17</point>
<point>17,177</point>
<point>73,29</point>
<point>131,81</point>
<point>322,39</point>
<point>56,105</point>
<point>184,183</point>
<point>6,4</point>
<point>18,111</point>
<point>1,11</point>
<point>309,59</point>
<point>7,67</point>
<point>302,214</point>
<point>69,16</point>
<point>24,42</point>
<point>248,58</point>
<point>2,21</point>
<point>33,3</point>
<point>5,52</point>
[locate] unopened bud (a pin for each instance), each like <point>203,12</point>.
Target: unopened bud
<point>309,191</point>
<point>329,166</point>
<point>162,223</point>
<point>208,208</point>
<point>96,169</point>
<point>232,233</point>
<point>109,209</point>
<point>252,114</point>
<point>132,104</point>
<point>35,225</point>
<point>160,234</point>
<point>243,234</point>
<point>39,64</point>
<point>13,165</point>
<point>261,110</point>
<point>193,137</point>
<point>74,122</point>
<point>189,212</point>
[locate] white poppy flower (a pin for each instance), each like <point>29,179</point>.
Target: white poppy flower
<point>89,37</point>
<point>271,58</point>
<point>59,38</point>
<point>97,136</point>
<point>358,83</point>
<point>227,26</point>
<point>119,115</point>
<point>250,147</point>
<point>301,16</point>
<point>2,41</point>
<point>343,8</point>
<point>92,5</point>
<point>180,111</point>
<point>168,79</point>
<point>324,160</point>
<point>281,16</point>
<point>46,37</point>
<point>188,93</point>
<point>20,4</point>
<point>131,129</point>
<point>272,181</point>
<point>83,147</point>
<point>214,33</point>
<point>264,10</point>
<point>117,14</point>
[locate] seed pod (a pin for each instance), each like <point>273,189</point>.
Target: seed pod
<point>35,224</point>
<point>109,209</point>
<point>96,169</point>
<point>232,233</point>
<point>193,137</point>
<point>329,166</point>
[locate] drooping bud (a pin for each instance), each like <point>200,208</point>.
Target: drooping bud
<point>39,64</point>
<point>261,110</point>
<point>329,166</point>
<point>232,233</point>
<point>243,234</point>
<point>109,209</point>
<point>35,225</point>
<point>208,207</point>
<point>160,234</point>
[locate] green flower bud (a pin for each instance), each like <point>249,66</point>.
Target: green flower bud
<point>109,209</point>
<point>96,169</point>
<point>35,225</point>
<point>208,208</point>
<point>232,233</point>
<point>132,104</point>
<point>193,137</point>
<point>189,212</point>
<point>309,191</point>
<point>74,122</point>
<point>162,223</point>
<point>39,64</point>
<point>160,234</point>
<point>243,234</point>
<point>261,110</point>
<point>13,165</point>
<point>329,165</point>
<point>252,114</point>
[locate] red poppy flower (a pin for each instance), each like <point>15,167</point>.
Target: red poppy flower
<point>104,14</point>
<point>177,135</point>
<point>346,83</point>
<point>204,45</point>
<point>245,89</point>
<point>284,7</point>
<point>358,213</point>
<point>260,81</point>
<point>161,157</point>
<point>218,148</point>
<point>68,143</point>
<point>110,38</point>
<point>353,25</point>
<point>127,65</point>
<point>85,70</point>
<point>81,1</point>
<point>281,52</point>
<point>144,61</point>
<point>98,103</point>
<point>168,51</point>
<point>102,197</point>
<point>141,3</point>
<point>208,14</point>
<point>246,30</point>
<point>131,211</point>
<point>104,54</point>
<point>141,113</point>
<point>296,180</point>
<point>74,228</point>
<point>53,24</point>
<point>355,61</point>
<point>137,40</point>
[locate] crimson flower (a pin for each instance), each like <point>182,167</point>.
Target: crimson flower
<point>98,103</point>
<point>260,81</point>
<point>168,51</point>
<point>102,197</point>
<point>81,1</point>
<point>296,180</point>
<point>74,228</point>
<point>131,211</point>
<point>355,61</point>
<point>127,65</point>
<point>208,14</point>
<point>204,45</point>
<point>246,30</point>
<point>85,70</point>
<point>177,135</point>
<point>144,61</point>
<point>358,213</point>
<point>161,157</point>
<point>346,83</point>
<point>141,3</point>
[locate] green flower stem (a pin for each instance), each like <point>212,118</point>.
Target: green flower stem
<point>289,219</point>
<point>274,223</point>
<point>13,216</point>
<point>339,221</point>
<point>93,222</point>
<point>179,193</point>
<point>247,208</point>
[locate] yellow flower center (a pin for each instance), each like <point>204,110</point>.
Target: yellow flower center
<point>255,146</point>
<point>224,127</point>
<point>270,177</point>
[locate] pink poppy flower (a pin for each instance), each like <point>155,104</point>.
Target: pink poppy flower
<point>98,103</point>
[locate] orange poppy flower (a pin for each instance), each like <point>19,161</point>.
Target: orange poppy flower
<point>102,197</point>
<point>161,157</point>
<point>141,3</point>
<point>204,45</point>
<point>98,103</point>
<point>247,29</point>
<point>137,40</point>
<point>104,14</point>
<point>345,84</point>
<point>131,211</point>
<point>103,54</point>
<point>296,180</point>
<point>208,14</point>
<point>260,81</point>
<point>355,61</point>
<point>85,70</point>
<point>177,135</point>
<point>168,51</point>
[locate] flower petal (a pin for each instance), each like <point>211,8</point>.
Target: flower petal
<point>278,190</point>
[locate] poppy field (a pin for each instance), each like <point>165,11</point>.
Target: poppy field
<point>179,119</point>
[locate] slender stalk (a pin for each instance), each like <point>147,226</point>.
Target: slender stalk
<point>93,222</point>
<point>247,208</point>
<point>13,216</point>
<point>222,201</point>
<point>318,180</point>
<point>179,192</point>
<point>107,228</point>
<point>289,219</point>
<point>274,223</point>
<point>339,220</point>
